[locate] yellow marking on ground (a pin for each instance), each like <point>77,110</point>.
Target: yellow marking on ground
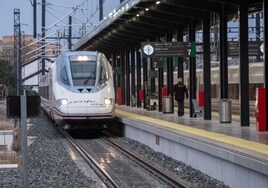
<point>254,146</point>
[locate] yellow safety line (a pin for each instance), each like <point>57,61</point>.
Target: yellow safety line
<point>258,147</point>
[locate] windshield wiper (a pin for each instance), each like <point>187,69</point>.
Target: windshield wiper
<point>86,81</point>
<point>91,76</point>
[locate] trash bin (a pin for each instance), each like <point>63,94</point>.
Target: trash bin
<point>167,104</point>
<point>225,111</point>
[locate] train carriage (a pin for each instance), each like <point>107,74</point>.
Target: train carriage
<point>78,89</point>
<point>256,80</point>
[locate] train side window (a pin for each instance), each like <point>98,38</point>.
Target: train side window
<point>64,76</point>
<point>102,75</point>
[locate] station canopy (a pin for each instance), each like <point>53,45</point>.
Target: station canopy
<point>136,21</point>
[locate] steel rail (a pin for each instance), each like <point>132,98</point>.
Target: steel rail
<point>169,180</point>
<point>104,176</point>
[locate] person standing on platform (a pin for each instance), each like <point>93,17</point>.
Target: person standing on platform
<point>181,92</point>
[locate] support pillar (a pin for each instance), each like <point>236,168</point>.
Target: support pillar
<point>265,51</point>
<point>123,75</point>
<point>145,81</point>
<point>133,70</point>
<point>138,54</point>
<point>192,69</point>
<point>206,67</point>
<point>244,74</point>
<point>223,54</point>
<point>114,73</point>
<point>127,78</point>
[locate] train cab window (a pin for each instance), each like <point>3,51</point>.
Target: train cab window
<point>102,75</point>
<point>103,70</point>
<point>64,76</point>
<point>83,73</point>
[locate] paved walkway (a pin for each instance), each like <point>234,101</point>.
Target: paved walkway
<point>230,129</point>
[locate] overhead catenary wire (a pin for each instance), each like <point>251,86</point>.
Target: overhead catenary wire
<point>84,19</point>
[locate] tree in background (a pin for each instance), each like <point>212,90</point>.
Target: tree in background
<point>7,81</point>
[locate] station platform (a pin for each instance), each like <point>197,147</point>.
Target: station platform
<point>234,151</point>
<point>232,129</point>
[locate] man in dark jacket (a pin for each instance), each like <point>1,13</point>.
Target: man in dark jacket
<point>181,92</point>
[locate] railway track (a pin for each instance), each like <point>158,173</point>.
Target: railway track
<point>117,166</point>
<point>104,176</point>
<point>150,168</point>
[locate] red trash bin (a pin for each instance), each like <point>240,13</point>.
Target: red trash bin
<point>141,94</point>
<point>201,98</point>
<point>164,91</point>
<point>261,109</point>
<point>119,96</point>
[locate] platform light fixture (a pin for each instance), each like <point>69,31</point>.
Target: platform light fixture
<point>137,15</point>
<point>157,2</point>
<point>147,9</point>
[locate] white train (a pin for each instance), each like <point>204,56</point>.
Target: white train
<point>78,90</point>
<point>256,80</point>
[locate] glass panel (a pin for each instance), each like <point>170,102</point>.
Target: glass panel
<point>102,75</point>
<point>83,72</point>
<point>64,76</point>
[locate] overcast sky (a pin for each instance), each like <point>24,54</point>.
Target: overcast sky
<point>57,10</point>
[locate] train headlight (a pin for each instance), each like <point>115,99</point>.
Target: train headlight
<point>62,102</point>
<point>108,101</point>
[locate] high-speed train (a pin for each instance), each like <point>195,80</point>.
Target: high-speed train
<point>256,80</point>
<point>78,90</point>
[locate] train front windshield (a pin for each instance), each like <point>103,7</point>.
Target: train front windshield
<point>83,70</point>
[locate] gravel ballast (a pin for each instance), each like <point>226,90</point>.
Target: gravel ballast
<point>50,165</point>
<point>178,170</point>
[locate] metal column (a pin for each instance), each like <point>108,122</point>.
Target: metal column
<point>70,34</point>
<point>100,10</point>
<point>180,69</point>
<point>114,72</point>
<point>145,81</point>
<point>17,50</point>
<point>223,54</point>
<point>192,69</point>
<point>170,78</point>
<point>206,67</point>
<point>43,35</point>
<point>138,54</point>
<point>133,70</point>
<point>169,74</point>
<point>118,74</point>
<point>152,79</point>
<point>23,122</point>
<point>265,61</point>
<point>123,75</point>
<point>34,19</point>
<point>127,95</point>
<point>243,55</point>
<point>258,34</point>
<point>169,69</point>
<point>160,86</point>
<point>180,59</point>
